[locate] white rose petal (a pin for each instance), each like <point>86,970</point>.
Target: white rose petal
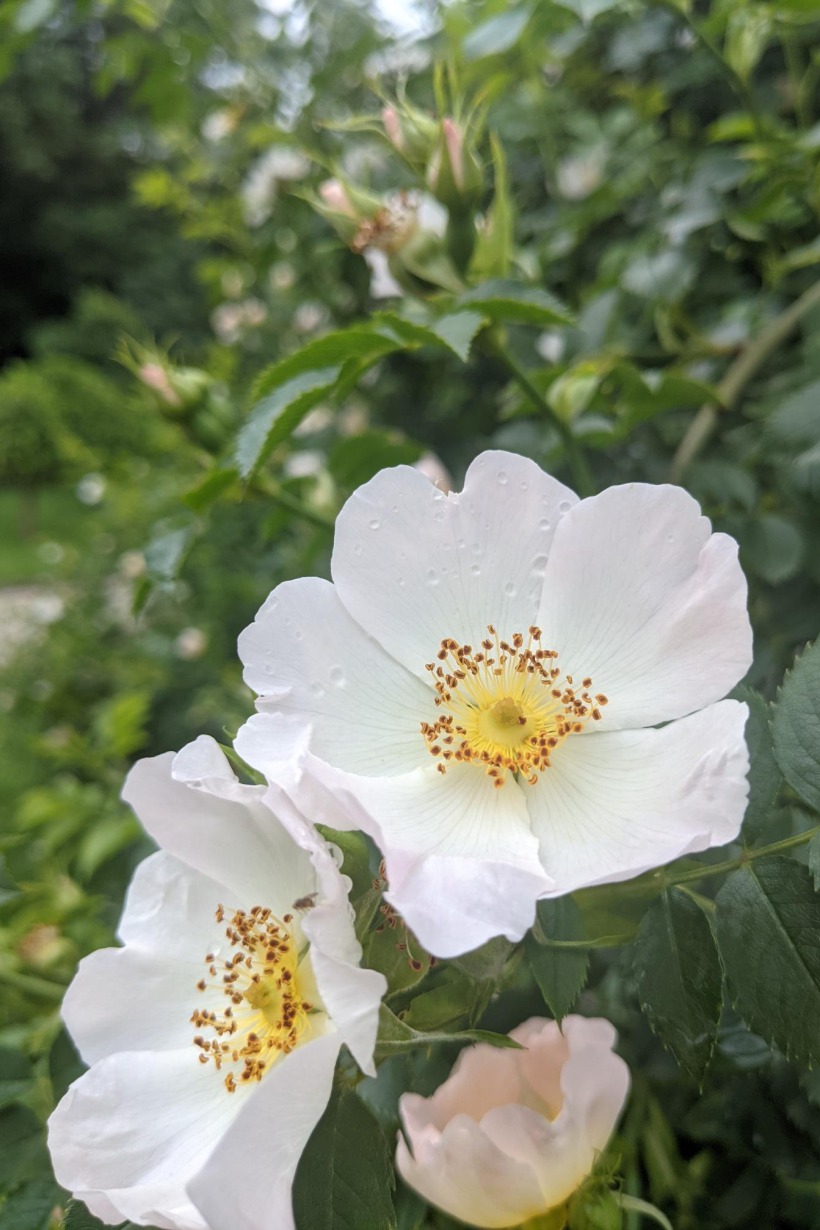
<point>479,689</point>
<point>213,1033</point>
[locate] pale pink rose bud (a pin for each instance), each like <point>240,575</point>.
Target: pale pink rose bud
<point>155,378</point>
<point>513,1133</point>
<point>334,194</point>
<point>392,127</point>
<point>455,144</point>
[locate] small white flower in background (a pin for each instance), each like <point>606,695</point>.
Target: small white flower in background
<point>281,163</point>
<point>90,489</point>
<point>512,1134</point>
<point>191,644</point>
<point>480,689</point>
<point>213,1033</point>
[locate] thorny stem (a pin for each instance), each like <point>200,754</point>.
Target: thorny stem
<point>732,864</point>
<point>581,472</point>
<point>731,387</point>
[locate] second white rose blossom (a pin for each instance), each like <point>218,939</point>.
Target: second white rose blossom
<point>213,1033</point>
<point>515,692</point>
<point>512,1134</point>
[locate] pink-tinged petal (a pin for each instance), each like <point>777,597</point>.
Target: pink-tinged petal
<point>640,596</point>
<point>246,1184</point>
<point>413,565</point>
<point>595,1081</point>
<point>219,827</point>
<point>464,1173</point>
<point>133,1130</point>
<point>615,804</point>
<point>305,654</point>
<point>462,861</point>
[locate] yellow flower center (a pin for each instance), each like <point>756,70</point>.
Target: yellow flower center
<point>270,992</point>
<point>505,705</point>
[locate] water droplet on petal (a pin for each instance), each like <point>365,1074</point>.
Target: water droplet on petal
<point>357,548</point>
<point>432,577</point>
<point>539,565</point>
<point>475,569</point>
<point>298,635</point>
<point>337,676</point>
<point>525,486</point>
<point>510,590</point>
<point>316,689</point>
<point>564,507</point>
<point>544,524</point>
<point>502,477</point>
<point>375,523</point>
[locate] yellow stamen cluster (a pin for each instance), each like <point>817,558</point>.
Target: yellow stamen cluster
<point>505,705</point>
<point>266,1014</point>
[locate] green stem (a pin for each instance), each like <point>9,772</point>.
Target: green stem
<point>732,864</point>
<point>633,1205</point>
<point>581,472</point>
<point>273,491</point>
<point>754,355</point>
<point>42,988</point>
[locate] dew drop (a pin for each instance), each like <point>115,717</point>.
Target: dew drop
<point>357,548</point>
<point>670,537</point>
<point>525,486</point>
<point>432,577</point>
<point>375,523</point>
<point>298,635</point>
<point>502,477</point>
<point>510,590</point>
<point>539,565</point>
<point>475,569</point>
<point>316,689</point>
<point>268,668</point>
<point>395,508</point>
<point>337,676</point>
<point>544,524</point>
<point>402,582</point>
<point>564,507</point>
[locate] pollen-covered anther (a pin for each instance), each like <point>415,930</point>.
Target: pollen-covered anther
<point>265,1013</point>
<point>505,705</point>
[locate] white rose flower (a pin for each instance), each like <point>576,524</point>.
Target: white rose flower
<point>482,686</point>
<point>213,1033</point>
<point>512,1134</point>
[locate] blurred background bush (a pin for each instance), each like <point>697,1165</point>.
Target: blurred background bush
<point>163,237</point>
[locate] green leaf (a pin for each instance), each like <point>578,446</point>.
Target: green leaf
<point>22,1146</point>
<point>344,1180</point>
<point>679,979</point>
<point>772,547</point>
<point>395,1036</point>
<point>588,10</point>
<point>813,852</point>
<point>16,1076</point>
<point>500,299</point>
<point>796,727</point>
<point>747,35</point>
<point>355,459</point>
<point>31,1207</point>
<point>765,778</point>
<point>559,972</point>
<point>274,418</point>
<point>454,330</point>
<point>495,241</point>
<point>361,343</point>
<point>767,925</point>
<point>496,35</point>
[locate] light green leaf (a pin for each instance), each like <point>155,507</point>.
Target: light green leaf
<point>30,1207</point>
<point>500,299</point>
<point>679,979</point>
<point>274,418</point>
<point>559,972</point>
<point>344,1180</point>
<point>747,36</point>
<point>494,244</point>
<point>496,35</point>
<point>588,10</point>
<point>767,924</point>
<point>796,727</point>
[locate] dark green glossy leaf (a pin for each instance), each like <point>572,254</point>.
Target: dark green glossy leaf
<point>796,727</point>
<point>765,778</point>
<point>679,979</point>
<point>31,1207</point>
<point>344,1180</point>
<point>559,972</point>
<point>767,926</point>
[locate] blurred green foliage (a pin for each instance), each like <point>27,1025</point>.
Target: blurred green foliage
<point>649,182</point>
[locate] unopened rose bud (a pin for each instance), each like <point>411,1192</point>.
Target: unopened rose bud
<point>392,128</point>
<point>454,173</point>
<point>335,196</point>
<point>156,379</point>
<point>411,132</point>
<point>512,1134</point>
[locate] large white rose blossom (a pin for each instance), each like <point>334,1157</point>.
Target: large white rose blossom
<point>482,686</point>
<point>512,1134</point>
<point>213,1033</point>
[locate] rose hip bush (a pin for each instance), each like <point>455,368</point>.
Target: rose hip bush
<point>472,566</point>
